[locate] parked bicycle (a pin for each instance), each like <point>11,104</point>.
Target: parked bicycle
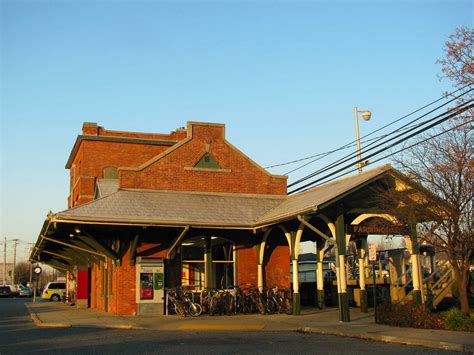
<point>245,300</point>
<point>181,302</point>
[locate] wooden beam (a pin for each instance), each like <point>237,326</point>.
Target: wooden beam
<point>57,254</point>
<point>133,249</point>
<point>97,245</point>
<point>176,242</point>
<point>59,265</point>
<point>72,246</point>
<point>79,259</point>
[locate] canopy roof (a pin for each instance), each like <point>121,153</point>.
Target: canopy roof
<point>121,211</point>
<point>172,208</point>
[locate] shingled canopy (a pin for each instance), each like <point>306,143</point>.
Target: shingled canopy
<point>120,210</point>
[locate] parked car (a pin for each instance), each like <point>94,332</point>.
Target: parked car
<point>14,289</point>
<point>25,291</point>
<point>54,291</point>
<point>5,291</point>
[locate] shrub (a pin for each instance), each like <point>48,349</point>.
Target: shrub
<point>456,320</point>
<point>408,315</point>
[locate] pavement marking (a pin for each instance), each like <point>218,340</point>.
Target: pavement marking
<point>235,327</point>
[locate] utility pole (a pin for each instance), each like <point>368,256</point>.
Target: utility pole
<point>15,243</point>
<point>31,265</point>
<point>5,261</point>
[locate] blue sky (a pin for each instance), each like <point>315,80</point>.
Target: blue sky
<point>283,76</point>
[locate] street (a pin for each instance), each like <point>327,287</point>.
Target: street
<point>19,334</point>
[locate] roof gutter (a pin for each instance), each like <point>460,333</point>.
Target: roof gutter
<point>151,224</point>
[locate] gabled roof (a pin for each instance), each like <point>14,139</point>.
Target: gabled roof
<point>204,209</point>
<point>171,208</point>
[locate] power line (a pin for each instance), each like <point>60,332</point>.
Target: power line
<point>396,152</point>
<point>439,121</point>
<point>405,127</point>
<point>444,117</point>
<point>354,154</point>
<point>352,143</point>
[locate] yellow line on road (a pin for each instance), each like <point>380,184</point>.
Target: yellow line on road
<point>220,327</point>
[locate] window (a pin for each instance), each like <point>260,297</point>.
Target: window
<point>193,263</point>
<point>207,161</point>
<point>219,260</point>
<point>222,262</point>
<point>110,172</point>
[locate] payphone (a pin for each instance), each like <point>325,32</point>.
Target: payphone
<point>150,285</point>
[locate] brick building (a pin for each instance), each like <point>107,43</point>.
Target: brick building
<point>151,211</point>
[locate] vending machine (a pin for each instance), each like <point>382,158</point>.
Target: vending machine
<point>150,281</point>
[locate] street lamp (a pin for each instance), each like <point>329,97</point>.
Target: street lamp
<point>365,116</point>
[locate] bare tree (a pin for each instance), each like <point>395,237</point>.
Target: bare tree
<point>441,168</point>
<point>22,272</point>
<point>457,65</point>
<point>444,166</point>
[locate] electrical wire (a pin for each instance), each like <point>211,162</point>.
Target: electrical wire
<point>394,153</point>
<point>352,143</point>
<point>353,154</point>
<point>440,119</point>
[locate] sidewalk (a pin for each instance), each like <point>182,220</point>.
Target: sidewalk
<point>50,314</point>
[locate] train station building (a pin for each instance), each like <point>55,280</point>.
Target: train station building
<point>153,211</point>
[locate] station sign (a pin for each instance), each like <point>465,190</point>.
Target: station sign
<point>385,229</point>
<point>372,252</point>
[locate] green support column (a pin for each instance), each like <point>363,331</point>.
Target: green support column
<point>209,280</point>
<point>344,314</point>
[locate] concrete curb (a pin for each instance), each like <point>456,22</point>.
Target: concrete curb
<point>39,323</point>
<point>389,339</point>
<point>111,326</point>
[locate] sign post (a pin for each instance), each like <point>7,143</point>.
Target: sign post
<point>37,270</point>
<point>373,258</point>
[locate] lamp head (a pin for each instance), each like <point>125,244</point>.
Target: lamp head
<point>366,115</point>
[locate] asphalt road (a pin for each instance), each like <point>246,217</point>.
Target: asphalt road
<point>19,335</point>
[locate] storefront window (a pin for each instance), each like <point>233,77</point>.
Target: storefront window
<point>223,262</point>
<point>192,275</point>
<point>220,261</point>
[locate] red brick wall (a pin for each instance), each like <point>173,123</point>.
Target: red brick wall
<point>277,268</point>
<point>121,298</point>
<point>97,299</point>
<point>98,155</point>
<point>93,156</point>
<point>126,287</point>
<point>247,266</point>
<point>174,171</point>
